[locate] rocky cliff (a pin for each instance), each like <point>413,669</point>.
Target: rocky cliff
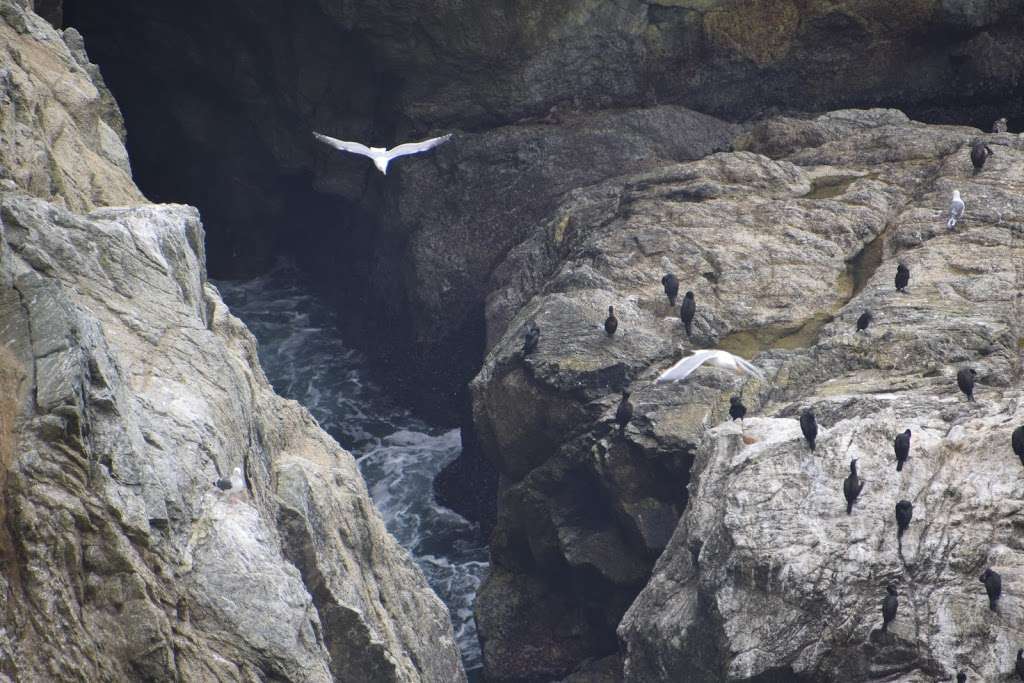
<point>785,242</point>
<point>129,388</point>
<point>240,85</point>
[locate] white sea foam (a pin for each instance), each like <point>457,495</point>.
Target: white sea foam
<point>304,358</point>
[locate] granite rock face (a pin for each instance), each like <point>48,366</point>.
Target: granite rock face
<point>783,255</point>
<point>128,388</point>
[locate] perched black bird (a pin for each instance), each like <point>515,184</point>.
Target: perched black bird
<point>671,284</point>
<point>961,677</point>
<point>864,320</point>
<point>889,607</point>
<point>965,380</point>
<point>737,411</point>
<point>531,340</point>
<point>904,513</point>
<point>624,413</point>
<point>852,487</point>
<point>1020,665</point>
<point>809,426</point>
<point>902,277</point>
<point>687,310</point>
<point>611,323</point>
<point>993,586</point>
<point>1017,440</point>
<point>980,153</point>
<point>902,447</point>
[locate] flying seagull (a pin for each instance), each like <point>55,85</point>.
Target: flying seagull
<point>720,359</point>
<point>956,210</point>
<point>381,156</point>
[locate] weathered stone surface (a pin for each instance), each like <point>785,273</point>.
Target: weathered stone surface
<point>59,126</point>
<point>783,256</point>
<point>138,389</point>
<point>127,388</point>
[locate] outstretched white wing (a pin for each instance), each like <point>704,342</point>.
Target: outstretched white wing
<point>749,367</point>
<point>417,147</point>
<point>344,145</point>
<point>683,368</point>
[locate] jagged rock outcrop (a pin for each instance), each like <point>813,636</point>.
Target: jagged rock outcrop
<point>128,388</point>
<point>243,93</point>
<point>783,254</point>
<point>60,133</point>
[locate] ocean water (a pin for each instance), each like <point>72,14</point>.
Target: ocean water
<point>305,359</point>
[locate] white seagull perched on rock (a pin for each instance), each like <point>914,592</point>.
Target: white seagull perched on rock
<point>956,209</point>
<point>381,156</point>
<point>720,359</point>
<point>234,485</point>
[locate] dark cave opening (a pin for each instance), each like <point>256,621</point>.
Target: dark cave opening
<point>220,101</point>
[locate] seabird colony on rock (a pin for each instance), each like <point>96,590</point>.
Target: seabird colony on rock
<point>853,485</point>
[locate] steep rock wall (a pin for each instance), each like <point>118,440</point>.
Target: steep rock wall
<point>129,387</point>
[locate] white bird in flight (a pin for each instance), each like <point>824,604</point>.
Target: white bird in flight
<point>381,156</point>
<point>956,209</point>
<point>720,359</point>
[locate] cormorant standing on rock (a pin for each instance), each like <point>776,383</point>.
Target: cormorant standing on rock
<point>611,323</point>
<point>671,284</point>
<point>993,586</point>
<point>852,487</point>
<point>961,677</point>
<point>889,607</point>
<point>686,312</point>
<point>531,340</point>
<point>1020,665</point>
<point>624,413</point>
<point>1017,440</point>
<point>965,380</point>
<point>737,411</point>
<point>902,277</point>
<point>980,152</point>
<point>809,426</point>
<point>902,447</point>
<point>863,321</point>
<point>904,513</point>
